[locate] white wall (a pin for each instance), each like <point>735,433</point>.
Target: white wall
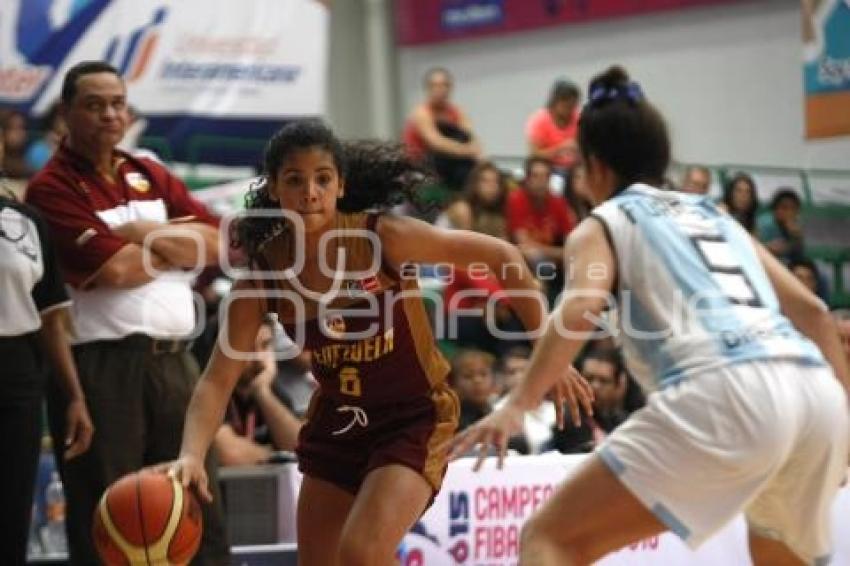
<point>727,78</point>
<point>362,84</point>
<point>348,78</point>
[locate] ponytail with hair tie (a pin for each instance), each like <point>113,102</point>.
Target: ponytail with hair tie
<point>602,94</point>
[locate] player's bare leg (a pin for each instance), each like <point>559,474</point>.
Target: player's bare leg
<point>589,516</point>
<point>322,510</point>
<point>769,552</point>
<point>390,500</point>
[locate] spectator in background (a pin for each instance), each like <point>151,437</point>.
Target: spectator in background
<point>617,396</point>
<point>576,192</point>
<point>469,298</point>
<point>258,420</point>
<point>14,126</point>
<point>473,380</point>
<point>551,132</point>
<point>513,364</point>
<point>539,223</point>
<point>482,208</point>
<point>780,230</point>
<point>439,133</point>
<point>41,150</point>
<point>296,383</point>
<point>741,201</point>
<point>696,180</point>
<point>33,327</point>
<point>807,272</point>
<point>539,423</point>
<point>132,323</point>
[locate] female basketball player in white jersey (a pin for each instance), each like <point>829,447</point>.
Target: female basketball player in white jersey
<point>748,416</point>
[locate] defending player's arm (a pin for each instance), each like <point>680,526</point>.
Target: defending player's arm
<point>206,409</point>
<point>807,312</point>
<point>590,281</point>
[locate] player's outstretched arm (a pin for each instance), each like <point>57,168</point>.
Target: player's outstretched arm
<point>807,312</point>
<point>407,240</point>
<point>206,409</point>
<point>590,279</point>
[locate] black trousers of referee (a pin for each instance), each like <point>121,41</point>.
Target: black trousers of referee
<point>138,401</point>
<point>22,378</point>
<point>20,427</point>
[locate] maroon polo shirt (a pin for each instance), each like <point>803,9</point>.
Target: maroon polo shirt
<point>72,196</point>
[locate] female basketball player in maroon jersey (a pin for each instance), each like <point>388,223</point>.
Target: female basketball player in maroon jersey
<point>373,449</point>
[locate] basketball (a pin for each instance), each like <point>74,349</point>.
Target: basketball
<point>147,518</point>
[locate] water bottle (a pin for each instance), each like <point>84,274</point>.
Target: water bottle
<point>34,549</point>
<point>56,541</point>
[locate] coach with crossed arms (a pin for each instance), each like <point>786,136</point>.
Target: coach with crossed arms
<point>125,231</point>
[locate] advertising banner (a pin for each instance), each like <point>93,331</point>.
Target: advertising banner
<point>476,519</point>
<point>826,70</point>
<point>187,63</point>
<point>434,21</point>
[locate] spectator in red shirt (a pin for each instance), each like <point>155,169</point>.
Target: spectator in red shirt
<point>439,132</point>
<point>552,131</point>
<point>539,223</point>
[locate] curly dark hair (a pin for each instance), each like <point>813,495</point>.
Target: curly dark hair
<point>378,175</point>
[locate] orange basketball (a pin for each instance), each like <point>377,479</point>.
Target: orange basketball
<point>147,518</point>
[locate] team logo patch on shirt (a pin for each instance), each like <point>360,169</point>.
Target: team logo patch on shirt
<point>355,287</point>
<point>334,325</point>
<point>137,181</point>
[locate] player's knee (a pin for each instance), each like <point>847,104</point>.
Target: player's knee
<point>357,549</point>
<point>538,540</point>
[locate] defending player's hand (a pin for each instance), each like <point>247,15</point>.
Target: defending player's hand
<point>573,390</point>
<point>190,472</point>
<point>493,430</point>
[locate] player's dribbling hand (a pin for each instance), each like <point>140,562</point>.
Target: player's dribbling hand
<point>493,430</point>
<point>572,390</point>
<point>190,472</point>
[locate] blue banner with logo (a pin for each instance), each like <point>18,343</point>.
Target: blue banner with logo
<point>218,67</point>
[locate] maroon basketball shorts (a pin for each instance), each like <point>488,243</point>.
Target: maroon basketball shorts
<point>343,441</point>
